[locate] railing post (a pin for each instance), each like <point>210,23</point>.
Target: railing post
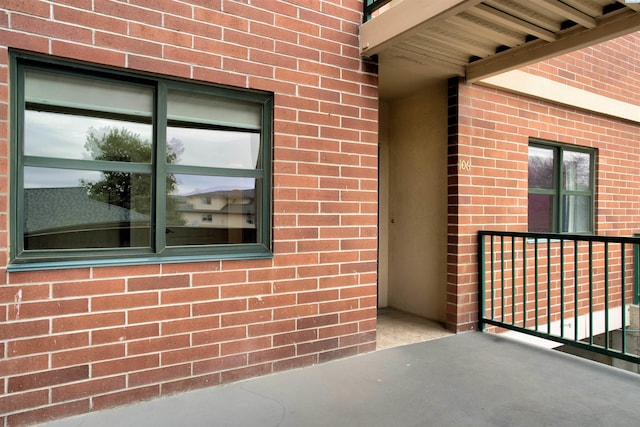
<point>587,323</point>
<point>481,287</point>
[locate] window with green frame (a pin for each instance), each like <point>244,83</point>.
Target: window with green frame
<point>112,165</point>
<point>561,188</point>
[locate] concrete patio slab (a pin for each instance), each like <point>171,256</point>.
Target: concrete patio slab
<point>470,379</point>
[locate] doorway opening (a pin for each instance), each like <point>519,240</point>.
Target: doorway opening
<point>412,273</point>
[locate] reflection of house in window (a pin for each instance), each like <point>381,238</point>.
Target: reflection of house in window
<point>225,208</point>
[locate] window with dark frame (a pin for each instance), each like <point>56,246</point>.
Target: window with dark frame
<point>110,164</point>
<point>561,188</point>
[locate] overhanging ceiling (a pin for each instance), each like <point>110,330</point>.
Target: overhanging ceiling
<point>477,39</point>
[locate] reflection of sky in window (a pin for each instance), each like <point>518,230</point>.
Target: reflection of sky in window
<point>57,178</point>
<point>64,135</point>
<point>216,148</point>
<point>196,184</point>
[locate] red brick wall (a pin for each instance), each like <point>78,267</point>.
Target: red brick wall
<point>84,339</point>
<point>492,135</point>
<point>611,68</point>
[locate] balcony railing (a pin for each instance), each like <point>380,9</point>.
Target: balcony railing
<point>573,289</point>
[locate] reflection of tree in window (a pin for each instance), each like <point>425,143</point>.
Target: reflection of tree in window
<point>125,189</point>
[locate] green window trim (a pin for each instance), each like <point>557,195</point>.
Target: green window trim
<point>44,86</point>
<point>555,188</point>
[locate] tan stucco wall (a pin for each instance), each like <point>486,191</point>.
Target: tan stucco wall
<point>383,204</point>
<point>417,203</point>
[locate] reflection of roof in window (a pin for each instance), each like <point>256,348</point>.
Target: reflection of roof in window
<point>54,208</point>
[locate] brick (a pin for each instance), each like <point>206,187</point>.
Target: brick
<point>47,379</point>
<point>220,364</point>
<point>272,354</point>
<point>190,325</point>
<point>48,276</point>
<point>49,412</point>
<point>244,373</point>
<point>189,384</point>
<point>125,397</point>
<point>20,365</point>
<point>116,302</point>
<point>189,295</point>
<point>88,321</point>
<point>152,283</point>
<point>126,333</point>
<point>219,307</point>
<point>15,294</point>
<point>20,402</point>
<point>280,300</point>
<point>159,375</point>
<point>13,330</point>
<point>246,318</point>
<point>245,345</point>
<point>88,389</point>
<point>87,355</point>
<point>244,290</point>
<point>217,278</point>
<point>317,321</point>
<point>219,335</point>
<point>125,365</point>
<point>153,345</point>
<point>87,288</point>
<point>317,346</point>
<point>159,313</point>
<point>47,344</point>
<point>295,311</point>
<point>190,354</point>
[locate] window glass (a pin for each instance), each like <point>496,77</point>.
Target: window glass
<point>72,136</point>
<point>540,167</point>
<point>203,108</point>
<point>78,92</point>
<point>214,148</point>
<point>540,213</point>
<point>576,170</point>
<point>576,214</point>
<point>72,209</point>
<point>227,217</point>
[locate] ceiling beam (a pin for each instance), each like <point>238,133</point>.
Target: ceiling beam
<point>567,11</point>
<point>634,6</point>
<point>521,11</point>
<point>404,19</point>
<point>475,26</point>
<point>511,22</point>
<point>539,50</point>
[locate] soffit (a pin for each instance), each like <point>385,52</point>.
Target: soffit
<point>416,40</point>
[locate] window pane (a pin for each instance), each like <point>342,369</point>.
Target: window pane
<point>85,93</point>
<point>209,210</point>
<point>70,136</point>
<point>540,167</point>
<point>576,171</point>
<point>201,108</point>
<point>213,148</point>
<point>71,209</point>
<point>576,214</point>
<point>540,213</point>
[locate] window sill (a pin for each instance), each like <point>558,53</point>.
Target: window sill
<point>123,262</point>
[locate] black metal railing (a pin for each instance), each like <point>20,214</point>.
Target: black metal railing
<point>573,289</point>
<point>370,7</point>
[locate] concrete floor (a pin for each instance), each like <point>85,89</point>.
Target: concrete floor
<point>470,379</point>
<point>395,328</point>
